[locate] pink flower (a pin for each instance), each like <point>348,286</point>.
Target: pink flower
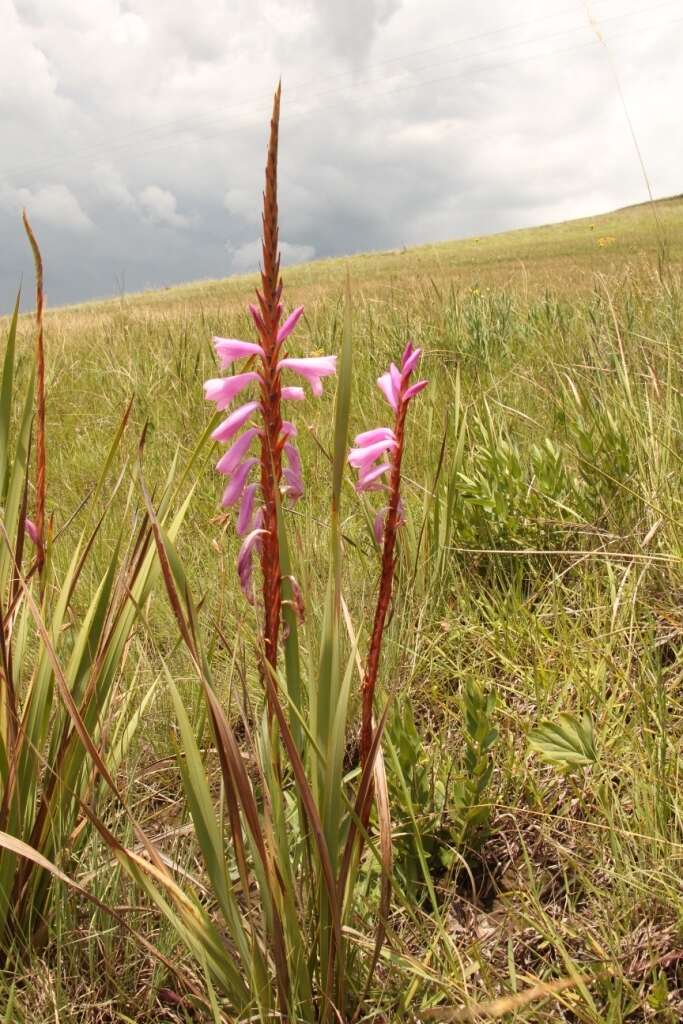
<point>223,390</point>
<point>233,492</point>
<point>228,463</point>
<point>230,349</point>
<point>297,394</point>
<point>364,456</point>
<point>289,324</point>
<point>32,531</point>
<point>245,562</point>
<point>311,369</point>
<point>234,421</point>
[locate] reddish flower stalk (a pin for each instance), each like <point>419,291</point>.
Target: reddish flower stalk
<point>272,438</point>
<point>371,446</point>
<point>36,530</point>
<point>279,461</point>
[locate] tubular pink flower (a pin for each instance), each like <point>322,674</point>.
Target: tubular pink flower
<point>222,390</point>
<point>359,458</point>
<point>235,420</point>
<point>387,388</point>
<point>230,349</point>
<point>311,369</point>
<point>294,485</point>
<point>294,394</point>
<point>31,530</point>
<point>288,429</point>
<point>371,436</point>
<point>292,474</point>
<point>415,389</point>
<point>289,324</point>
<point>245,562</point>
<point>410,361</point>
<point>244,519</point>
<point>368,481</point>
<point>233,492</point>
<point>229,462</point>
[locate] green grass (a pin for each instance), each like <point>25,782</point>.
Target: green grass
<point>546,567</point>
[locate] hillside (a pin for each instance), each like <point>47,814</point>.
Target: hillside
<point>564,257</point>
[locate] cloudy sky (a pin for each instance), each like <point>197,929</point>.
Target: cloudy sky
<point>134,130</point>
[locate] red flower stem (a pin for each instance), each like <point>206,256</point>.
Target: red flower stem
<point>385,586</point>
<point>271,436</point>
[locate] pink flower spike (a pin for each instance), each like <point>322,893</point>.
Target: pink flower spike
<point>223,389</point>
<point>361,457</point>
<point>289,324</point>
<point>411,362</point>
<point>387,388</point>
<point>288,428</point>
<point>229,462</point>
<point>230,349</point>
<point>296,394</point>
<point>31,530</point>
<point>246,510</point>
<point>371,436</point>
<point>368,481</point>
<point>235,420</point>
<point>233,492</point>
<point>311,369</point>
<point>415,389</point>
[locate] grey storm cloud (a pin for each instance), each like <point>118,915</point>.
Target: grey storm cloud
<point>134,132</point>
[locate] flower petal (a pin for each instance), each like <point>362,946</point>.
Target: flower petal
<point>245,562</point>
<point>294,485</point>
<point>233,492</point>
<point>312,368</point>
<point>371,436</point>
<point>246,510</point>
<point>368,481</point>
<point>31,530</point>
<point>235,420</point>
<point>411,362</point>
<point>298,394</point>
<point>288,428</point>
<point>229,462</point>
<point>415,389</point>
<point>230,349</point>
<point>360,457</point>
<point>289,324</point>
<point>223,389</point>
<point>387,388</point>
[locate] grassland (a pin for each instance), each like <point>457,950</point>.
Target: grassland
<point>543,560</point>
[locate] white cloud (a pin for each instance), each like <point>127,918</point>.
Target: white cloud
<point>403,121</point>
<point>52,204</point>
<point>160,206</point>
<point>246,258</point>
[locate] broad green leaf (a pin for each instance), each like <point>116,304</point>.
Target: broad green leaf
<point>569,741</point>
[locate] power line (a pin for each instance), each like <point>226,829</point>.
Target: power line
<point>158,134</point>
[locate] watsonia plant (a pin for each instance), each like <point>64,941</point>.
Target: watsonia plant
<point>65,649</point>
<point>289,931</point>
